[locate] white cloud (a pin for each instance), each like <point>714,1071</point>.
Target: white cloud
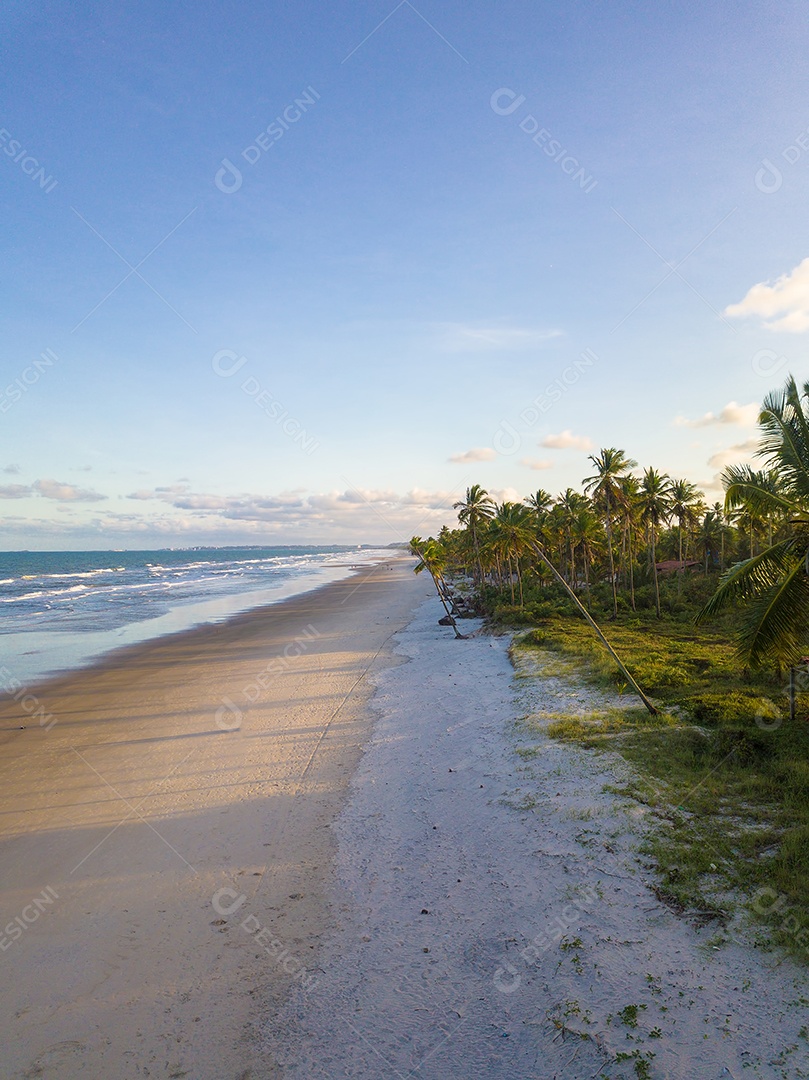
<point>461,337</point>
<point>566,440</point>
<point>732,413</point>
<point>782,306</point>
<point>350,515</point>
<point>165,494</point>
<point>713,487</point>
<point>12,470</point>
<point>477,453</point>
<point>200,502</point>
<point>532,463</point>
<point>508,494</point>
<point>734,454</point>
<point>55,489</point>
<point>14,491</point>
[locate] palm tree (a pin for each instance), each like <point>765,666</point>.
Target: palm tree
<point>540,503</point>
<point>629,517</point>
<point>510,534</point>
<point>587,536</point>
<point>555,535</point>
<point>748,516</point>
<point>774,584</point>
<point>710,536</point>
<point>433,558</point>
<point>475,511</point>
<point>539,551</point>
<point>604,487</point>
<point>655,507</point>
<point>684,497</point>
<point>570,504</point>
<point>720,514</point>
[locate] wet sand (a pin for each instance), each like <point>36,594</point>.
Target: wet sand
<point>165,835</point>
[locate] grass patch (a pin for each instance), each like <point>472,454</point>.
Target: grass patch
<point>595,727</point>
<point>690,667</point>
<point>722,769</point>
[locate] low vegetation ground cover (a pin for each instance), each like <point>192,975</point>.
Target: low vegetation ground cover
<point>722,768</point>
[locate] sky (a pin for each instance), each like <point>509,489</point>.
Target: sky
<point>303,273</point>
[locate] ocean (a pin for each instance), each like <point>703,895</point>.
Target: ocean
<point>62,609</point>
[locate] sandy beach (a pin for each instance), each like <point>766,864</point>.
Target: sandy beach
<point>305,845</point>
<point>166,835</point>
<point>494,916</point>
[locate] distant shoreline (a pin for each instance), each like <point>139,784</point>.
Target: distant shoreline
<point>33,652</point>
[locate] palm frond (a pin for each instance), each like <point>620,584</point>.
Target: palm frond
<point>744,487</point>
<point>775,628</point>
<point>752,578</point>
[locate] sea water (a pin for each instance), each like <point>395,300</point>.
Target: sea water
<point>61,609</point>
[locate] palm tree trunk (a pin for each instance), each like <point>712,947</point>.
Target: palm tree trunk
<point>595,626</point>
<point>572,563</point>
<point>653,550</point>
<point>587,578</point>
<point>631,571</point>
<point>612,560</point>
<point>681,567</point>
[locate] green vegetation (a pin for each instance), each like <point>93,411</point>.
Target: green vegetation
<point>707,609</point>
<point>722,769</point>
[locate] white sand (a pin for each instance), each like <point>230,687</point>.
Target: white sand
<point>433,825</point>
<point>187,860</point>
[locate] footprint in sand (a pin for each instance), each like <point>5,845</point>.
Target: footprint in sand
<point>50,1061</point>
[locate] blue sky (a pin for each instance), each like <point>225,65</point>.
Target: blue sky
<point>580,225</point>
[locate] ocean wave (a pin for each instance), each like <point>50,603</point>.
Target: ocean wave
<point>42,592</point>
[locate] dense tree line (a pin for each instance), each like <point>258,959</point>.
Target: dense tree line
<point>627,527</point>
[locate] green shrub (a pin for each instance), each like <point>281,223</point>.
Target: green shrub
<point>729,707</point>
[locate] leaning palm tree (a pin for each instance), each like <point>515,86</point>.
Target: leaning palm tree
<point>539,551</point>
<point>433,558</point>
<point>604,488</point>
<point>655,507</point>
<point>475,511</point>
<point>773,584</point>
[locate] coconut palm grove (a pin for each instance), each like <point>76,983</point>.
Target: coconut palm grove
<point>706,605</point>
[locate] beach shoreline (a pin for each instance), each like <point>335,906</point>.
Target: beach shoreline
<point>167,838</point>
<point>69,639</point>
<point>497,917</point>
